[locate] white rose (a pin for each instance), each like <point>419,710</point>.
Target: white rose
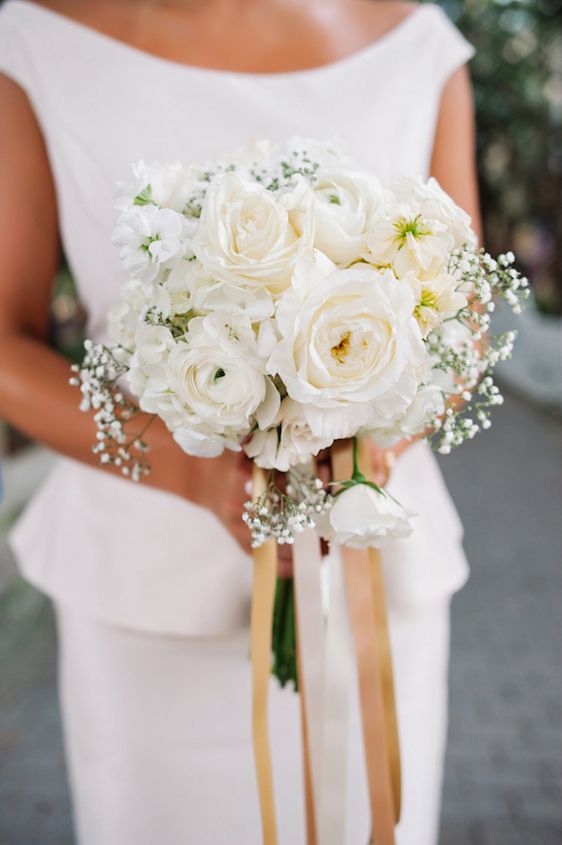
<point>350,340</point>
<point>362,517</point>
<point>417,231</point>
<point>426,406</point>
<point>345,203</point>
<point>151,239</point>
<point>250,237</point>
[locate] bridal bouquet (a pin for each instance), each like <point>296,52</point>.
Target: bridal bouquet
<point>281,299</point>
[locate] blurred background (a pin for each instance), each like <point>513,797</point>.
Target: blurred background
<point>503,782</point>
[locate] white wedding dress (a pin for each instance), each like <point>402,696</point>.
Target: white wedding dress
<point>151,592</point>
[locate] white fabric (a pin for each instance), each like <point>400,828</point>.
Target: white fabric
<point>136,556</point>
<point>158,736</point>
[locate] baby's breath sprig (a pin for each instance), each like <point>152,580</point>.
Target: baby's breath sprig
<point>97,377</point>
<point>281,514</point>
<point>482,278</point>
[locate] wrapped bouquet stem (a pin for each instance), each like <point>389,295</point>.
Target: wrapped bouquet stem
<point>284,302</point>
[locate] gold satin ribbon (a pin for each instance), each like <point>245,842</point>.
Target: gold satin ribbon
<point>365,595</point>
<point>387,677</point>
<point>265,575</point>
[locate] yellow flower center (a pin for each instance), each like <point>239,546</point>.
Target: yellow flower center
<point>340,350</point>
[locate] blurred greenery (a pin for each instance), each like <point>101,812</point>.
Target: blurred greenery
<point>517,78</point>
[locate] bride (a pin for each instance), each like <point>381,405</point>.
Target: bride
<point>151,583</point>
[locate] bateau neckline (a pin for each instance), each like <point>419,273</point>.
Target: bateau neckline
<point>117,44</point>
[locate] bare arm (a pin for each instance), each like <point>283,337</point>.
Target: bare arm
<point>34,392</point>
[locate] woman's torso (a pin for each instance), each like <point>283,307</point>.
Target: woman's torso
<point>138,556</point>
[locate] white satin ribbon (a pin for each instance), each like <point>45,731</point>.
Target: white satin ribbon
<point>338,680</point>
<point>311,631</point>
<point>326,680</point>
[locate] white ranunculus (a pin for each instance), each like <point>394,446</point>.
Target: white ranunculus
<point>436,299</point>
<point>218,375</point>
<point>426,406</point>
<point>350,339</point>
<point>345,204</point>
<point>416,232</point>
<point>150,239</point>
<point>290,443</point>
<point>362,517</point>
<point>202,443</point>
<point>262,447</point>
<point>248,236</point>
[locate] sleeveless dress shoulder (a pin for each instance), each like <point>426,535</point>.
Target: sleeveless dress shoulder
<point>128,554</point>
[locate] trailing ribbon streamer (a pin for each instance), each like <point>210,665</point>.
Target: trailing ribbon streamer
<point>307,779</point>
<point>338,682</point>
<point>265,574</point>
<point>387,678</point>
<point>363,580</point>
<point>307,562</point>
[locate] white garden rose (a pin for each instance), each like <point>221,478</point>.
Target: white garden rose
<point>151,239</point>
<point>350,339</point>
<point>428,404</point>
<point>362,517</point>
<point>345,204</point>
<point>250,237</point>
<point>416,232</point>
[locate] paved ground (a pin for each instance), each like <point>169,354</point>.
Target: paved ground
<point>504,766</point>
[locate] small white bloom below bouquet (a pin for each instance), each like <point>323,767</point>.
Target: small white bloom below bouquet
<point>281,299</point>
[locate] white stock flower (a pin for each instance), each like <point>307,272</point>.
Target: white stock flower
<point>428,404</point>
<point>350,339</point>
<point>126,313</point>
<point>148,375</point>
<point>249,237</point>
<point>345,203</point>
<point>150,239</point>
<point>361,517</point>
<point>436,299</point>
<point>167,185</point>
<point>418,229</point>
